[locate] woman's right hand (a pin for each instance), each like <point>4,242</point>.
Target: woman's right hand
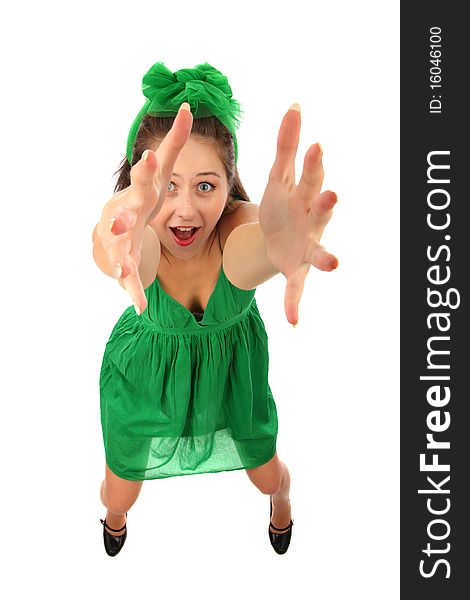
<point>125,216</point>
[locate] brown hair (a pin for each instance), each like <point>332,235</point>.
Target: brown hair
<point>153,129</point>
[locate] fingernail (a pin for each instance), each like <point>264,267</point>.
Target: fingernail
<point>295,324</point>
<point>111,223</point>
<point>185,106</point>
<point>321,149</point>
<point>136,308</point>
<point>117,271</point>
<point>295,106</point>
<point>145,155</point>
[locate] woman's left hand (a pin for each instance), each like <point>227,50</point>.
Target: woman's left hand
<point>292,217</point>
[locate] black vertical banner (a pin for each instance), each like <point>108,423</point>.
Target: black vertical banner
<point>435,312</point>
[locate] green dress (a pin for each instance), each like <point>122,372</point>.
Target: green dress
<point>182,395</point>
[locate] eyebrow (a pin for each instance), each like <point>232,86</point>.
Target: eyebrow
<point>203,173</point>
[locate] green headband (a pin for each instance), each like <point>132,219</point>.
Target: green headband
<point>205,88</point>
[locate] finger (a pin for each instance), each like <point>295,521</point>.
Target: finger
<point>283,168</point>
<point>132,283</point>
<point>312,176</point>
<point>123,219</point>
<point>117,216</point>
<point>323,260</point>
<point>322,209</point>
<point>293,293</point>
<point>143,172</point>
<point>171,145</point>
<point>325,201</point>
<point>146,186</point>
<point>117,251</point>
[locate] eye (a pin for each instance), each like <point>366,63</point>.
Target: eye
<point>206,183</point>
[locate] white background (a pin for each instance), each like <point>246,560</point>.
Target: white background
<point>71,89</point>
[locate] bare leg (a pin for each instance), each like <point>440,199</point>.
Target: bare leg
<point>118,495</point>
<point>273,478</point>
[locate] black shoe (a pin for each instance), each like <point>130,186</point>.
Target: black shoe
<point>279,541</point>
<point>113,543</point>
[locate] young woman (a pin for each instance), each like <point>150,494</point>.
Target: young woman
<point>184,378</point>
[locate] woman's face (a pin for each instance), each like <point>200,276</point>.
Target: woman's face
<point>196,197</point>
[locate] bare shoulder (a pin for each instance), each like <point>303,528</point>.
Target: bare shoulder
<point>245,212</point>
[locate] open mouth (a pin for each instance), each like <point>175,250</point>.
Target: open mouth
<point>183,238</point>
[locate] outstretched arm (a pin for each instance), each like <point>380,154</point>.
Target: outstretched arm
<point>292,219</point>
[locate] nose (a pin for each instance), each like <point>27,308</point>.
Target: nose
<point>185,208</point>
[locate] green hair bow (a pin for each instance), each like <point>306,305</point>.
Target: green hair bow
<point>205,88</point>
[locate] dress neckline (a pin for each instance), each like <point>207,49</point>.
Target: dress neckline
<point>213,291</point>
<point>187,309</point>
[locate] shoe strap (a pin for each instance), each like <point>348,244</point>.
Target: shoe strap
<point>110,528</point>
<point>283,528</point>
